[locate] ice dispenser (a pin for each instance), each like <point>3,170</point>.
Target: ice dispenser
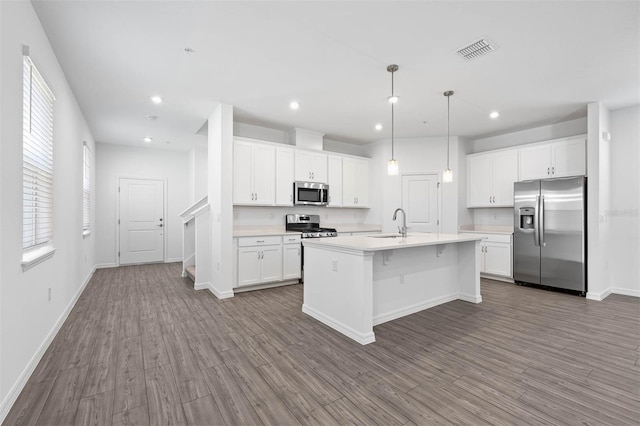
<point>526,217</point>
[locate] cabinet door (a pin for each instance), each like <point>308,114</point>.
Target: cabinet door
<point>271,263</point>
<point>264,169</point>
<point>568,158</point>
<point>242,173</point>
<point>497,259</point>
<point>480,180</point>
<point>284,177</point>
<point>303,164</point>
<point>291,261</point>
<point>248,266</point>
<point>361,186</point>
<point>348,182</point>
<point>535,162</point>
<point>334,179</point>
<point>319,168</point>
<point>505,173</point>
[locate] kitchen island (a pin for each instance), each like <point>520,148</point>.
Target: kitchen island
<point>353,283</point>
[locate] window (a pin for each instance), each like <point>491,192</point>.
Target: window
<point>37,159</point>
<point>86,189</point>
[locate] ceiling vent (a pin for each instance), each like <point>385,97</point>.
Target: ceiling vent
<point>477,48</point>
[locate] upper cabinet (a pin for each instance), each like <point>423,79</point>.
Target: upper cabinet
<point>311,166</point>
<point>284,176</point>
<point>355,182</point>
<point>253,173</point>
<point>490,178</point>
<point>334,179</point>
<point>560,158</point>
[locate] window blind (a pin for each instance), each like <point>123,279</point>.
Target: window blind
<point>37,158</point>
<point>86,188</point>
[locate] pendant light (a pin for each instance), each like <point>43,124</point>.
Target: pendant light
<point>447,174</point>
<point>392,166</point>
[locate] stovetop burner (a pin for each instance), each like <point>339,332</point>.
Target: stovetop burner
<point>308,226</point>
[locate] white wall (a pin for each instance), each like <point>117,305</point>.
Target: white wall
<point>415,155</point>
<point>244,216</point>
<point>624,212</point>
<point>116,161</point>
<point>28,321</point>
<point>198,173</point>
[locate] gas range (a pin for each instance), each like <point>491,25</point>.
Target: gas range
<point>308,225</point>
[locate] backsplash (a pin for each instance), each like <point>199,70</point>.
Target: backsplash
<point>274,216</point>
<point>493,216</point>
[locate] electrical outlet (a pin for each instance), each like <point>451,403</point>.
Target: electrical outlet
<point>334,266</point>
<point>49,294</point>
<point>401,278</point>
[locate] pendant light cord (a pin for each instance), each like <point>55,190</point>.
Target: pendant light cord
<point>448,127</point>
<point>392,94</point>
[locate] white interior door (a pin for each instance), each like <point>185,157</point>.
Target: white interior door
<point>420,202</point>
<point>141,221</point>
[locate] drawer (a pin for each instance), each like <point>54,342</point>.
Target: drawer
<point>291,239</point>
<point>492,238</point>
<point>259,241</point>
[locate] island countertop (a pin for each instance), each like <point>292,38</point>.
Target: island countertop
<point>381,242</point>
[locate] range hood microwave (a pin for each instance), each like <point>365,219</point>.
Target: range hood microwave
<point>310,193</point>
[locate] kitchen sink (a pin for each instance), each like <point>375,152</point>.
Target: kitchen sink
<point>385,236</point>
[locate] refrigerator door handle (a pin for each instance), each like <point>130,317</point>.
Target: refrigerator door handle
<point>541,225</point>
<point>536,224</point>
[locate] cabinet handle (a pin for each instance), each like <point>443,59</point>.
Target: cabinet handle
<point>548,171</point>
<point>259,241</point>
<point>553,170</point>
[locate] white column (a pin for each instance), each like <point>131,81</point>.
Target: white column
<point>220,190</point>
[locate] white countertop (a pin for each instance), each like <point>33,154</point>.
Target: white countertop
<point>487,229</point>
<point>374,243</point>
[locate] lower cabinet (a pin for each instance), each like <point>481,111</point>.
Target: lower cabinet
<point>291,257</point>
<point>268,259</point>
<point>496,259</point>
<point>259,260</point>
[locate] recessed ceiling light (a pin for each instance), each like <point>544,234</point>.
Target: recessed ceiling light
<point>378,127</point>
<point>152,117</point>
<point>189,50</point>
<point>168,142</point>
<point>393,99</point>
<point>156,99</point>
<point>494,114</point>
<point>147,139</point>
<point>294,105</point>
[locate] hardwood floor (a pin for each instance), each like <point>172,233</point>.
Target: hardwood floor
<point>142,347</point>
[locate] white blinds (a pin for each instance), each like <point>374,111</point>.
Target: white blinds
<point>37,158</point>
<point>86,188</point>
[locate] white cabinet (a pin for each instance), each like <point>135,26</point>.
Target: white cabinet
<point>559,158</point>
<point>259,260</point>
<point>334,179</point>
<point>284,176</point>
<point>291,257</point>
<point>355,182</point>
<point>310,166</point>
<point>253,173</point>
<point>496,259</point>
<point>490,178</point>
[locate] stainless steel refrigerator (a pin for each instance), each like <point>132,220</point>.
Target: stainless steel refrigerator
<point>550,238</point>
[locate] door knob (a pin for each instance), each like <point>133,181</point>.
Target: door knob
<point>160,225</point>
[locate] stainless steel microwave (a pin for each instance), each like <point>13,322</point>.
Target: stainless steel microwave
<point>310,193</point>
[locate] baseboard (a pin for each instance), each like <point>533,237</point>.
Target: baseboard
<point>106,265</point>
<point>202,286</point>
<point>265,286</point>
<point>599,296</point>
<point>173,260</point>
<point>625,291</point>
<point>15,390</point>
<point>470,298</point>
<point>412,309</point>
<point>220,294</point>
<point>362,338</point>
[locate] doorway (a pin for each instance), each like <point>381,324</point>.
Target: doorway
<point>141,221</point>
<point>420,200</point>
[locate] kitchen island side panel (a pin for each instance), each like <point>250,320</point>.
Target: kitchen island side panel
<point>338,291</point>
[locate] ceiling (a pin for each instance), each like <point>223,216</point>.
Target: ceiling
<point>552,59</point>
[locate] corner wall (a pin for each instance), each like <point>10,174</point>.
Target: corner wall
<point>28,320</point>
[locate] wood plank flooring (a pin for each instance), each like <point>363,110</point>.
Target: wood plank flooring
<point>142,347</point>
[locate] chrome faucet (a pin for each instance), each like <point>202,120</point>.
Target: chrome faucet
<point>403,229</point>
